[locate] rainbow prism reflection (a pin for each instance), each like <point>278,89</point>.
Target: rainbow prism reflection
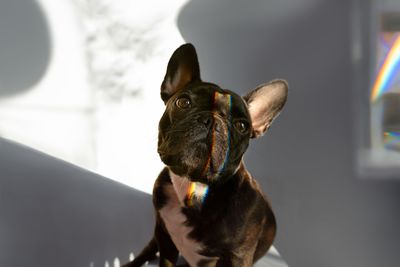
<point>389,69</point>
<point>385,93</point>
<point>392,140</point>
<point>197,192</point>
<point>225,100</point>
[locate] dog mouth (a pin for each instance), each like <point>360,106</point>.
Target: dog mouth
<point>197,154</point>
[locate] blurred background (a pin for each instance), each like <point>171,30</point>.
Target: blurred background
<point>79,110</point>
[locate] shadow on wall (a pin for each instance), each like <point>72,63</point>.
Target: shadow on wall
<point>55,214</point>
<point>25,45</point>
<point>326,215</point>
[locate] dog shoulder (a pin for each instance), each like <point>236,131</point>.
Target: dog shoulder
<point>260,199</point>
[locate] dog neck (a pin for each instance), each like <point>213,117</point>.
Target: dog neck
<point>189,193</point>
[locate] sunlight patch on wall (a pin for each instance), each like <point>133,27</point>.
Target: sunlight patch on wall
<point>98,104</point>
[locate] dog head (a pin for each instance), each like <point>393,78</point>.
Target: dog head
<point>205,129</point>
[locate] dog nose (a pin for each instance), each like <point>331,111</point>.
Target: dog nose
<point>206,120</point>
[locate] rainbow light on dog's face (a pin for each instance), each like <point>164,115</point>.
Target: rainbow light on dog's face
<point>226,101</point>
<point>197,192</point>
<point>389,68</point>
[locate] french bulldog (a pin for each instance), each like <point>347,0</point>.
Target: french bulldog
<point>209,209</point>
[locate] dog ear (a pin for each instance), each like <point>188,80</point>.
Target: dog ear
<point>265,103</point>
<point>183,68</point>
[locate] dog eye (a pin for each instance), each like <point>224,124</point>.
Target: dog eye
<point>183,102</point>
<point>242,126</point>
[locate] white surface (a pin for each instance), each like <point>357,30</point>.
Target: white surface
<point>98,105</point>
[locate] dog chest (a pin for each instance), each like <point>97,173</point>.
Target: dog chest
<point>174,221</point>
